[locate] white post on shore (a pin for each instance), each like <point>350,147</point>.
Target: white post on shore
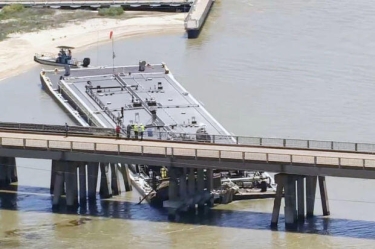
<point>113,52</point>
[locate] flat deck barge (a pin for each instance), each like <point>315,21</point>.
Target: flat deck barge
<point>146,94</point>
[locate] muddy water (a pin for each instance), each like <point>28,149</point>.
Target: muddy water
<point>292,69</point>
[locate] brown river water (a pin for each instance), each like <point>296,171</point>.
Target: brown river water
<point>291,69</point>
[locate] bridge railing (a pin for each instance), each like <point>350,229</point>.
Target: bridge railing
<point>236,154</point>
<point>205,138</point>
<point>268,142</point>
<point>55,128</point>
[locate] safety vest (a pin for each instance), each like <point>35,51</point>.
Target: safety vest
<point>163,172</point>
<point>142,128</point>
<point>136,128</point>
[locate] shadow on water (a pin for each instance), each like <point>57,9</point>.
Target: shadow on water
<point>31,199</point>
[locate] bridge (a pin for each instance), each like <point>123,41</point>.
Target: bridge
<point>298,162</point>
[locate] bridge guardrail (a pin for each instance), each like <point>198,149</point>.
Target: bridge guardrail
<point>241,155</point>
<point>56,128</point>
<point>206,138</point>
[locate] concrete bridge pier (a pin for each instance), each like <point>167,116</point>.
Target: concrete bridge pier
<point>191,187</point>
<point>115,184</point>
<point>92,180</point>
<point>8,171</point>
<point>210,185</point>
<point>183,184</point>
<point>105,184</point>
<point>71,184</point>
<point>200,186</point>
<point>82,182</point>
<point>297,193</point>
<point>58,181</point>
<point>124,169</point>
<point>173,203</point>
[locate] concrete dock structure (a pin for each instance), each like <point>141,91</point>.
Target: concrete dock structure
<point>197,16</point>
<point>139,5</point>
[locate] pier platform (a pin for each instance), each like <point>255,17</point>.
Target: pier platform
<point>150,5</point>
<point>197,16</point>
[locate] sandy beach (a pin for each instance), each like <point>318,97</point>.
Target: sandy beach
<point>18,51</point>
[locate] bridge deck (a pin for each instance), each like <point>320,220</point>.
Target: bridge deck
<point>188,150</point>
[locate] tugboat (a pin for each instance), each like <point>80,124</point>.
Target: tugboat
<point>63,58</point>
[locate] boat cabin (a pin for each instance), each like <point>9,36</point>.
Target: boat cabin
<point>64,55</point>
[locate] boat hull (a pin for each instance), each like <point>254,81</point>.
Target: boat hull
<point>52,63</point>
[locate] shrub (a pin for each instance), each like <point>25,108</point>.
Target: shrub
<point>112,11</point>
<point>12,9</point>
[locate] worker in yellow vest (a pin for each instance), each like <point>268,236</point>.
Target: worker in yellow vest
<point>163,172</point>
<point>141,130</point>
<point>136,131</point>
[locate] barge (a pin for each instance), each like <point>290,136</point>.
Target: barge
<point>144,95</point>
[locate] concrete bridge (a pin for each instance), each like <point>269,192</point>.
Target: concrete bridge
<point>299,163</point>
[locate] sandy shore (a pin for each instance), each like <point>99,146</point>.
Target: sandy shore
<point>18,51</point>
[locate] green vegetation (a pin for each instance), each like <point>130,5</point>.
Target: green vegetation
<point>112,11</point>
<point>17,19</point>
<point>11,11</point>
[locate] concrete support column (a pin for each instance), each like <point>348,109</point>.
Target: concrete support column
<point>71,184</point>
<point>105,188</point>
<point>92,178</point>
<point>53,175</point>
<point>8,171</point>
<point>172,191</point>
<point>115,184</point>
<point>290,201</point>
<point>310,195</point>
<point>301,197</point>
<point>13,169</point>
<point>324,195</point>
<point>210,179</point>
<point>210,185</point>
<point>191,182</point>
<point>200,187</point>
<point>82,182</point>
<point>200,180</point>
<point>125,176</point>
<point>58,187</point>
<point>183,187</point>
<point>173,186</point>
<point>279,179</point>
